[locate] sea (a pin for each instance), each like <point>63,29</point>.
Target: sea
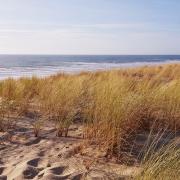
<point>16,66</point>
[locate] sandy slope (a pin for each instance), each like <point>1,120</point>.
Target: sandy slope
<point>22,156</point>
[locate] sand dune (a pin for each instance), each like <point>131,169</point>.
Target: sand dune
<point>22,156</point>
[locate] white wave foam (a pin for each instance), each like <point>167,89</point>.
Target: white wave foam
<point>69,67</point>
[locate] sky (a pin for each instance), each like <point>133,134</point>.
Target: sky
<point>90,27</point>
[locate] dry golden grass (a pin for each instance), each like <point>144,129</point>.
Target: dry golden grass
<point>113,105</point>
<point>163,164</point>
<point>121,103</point>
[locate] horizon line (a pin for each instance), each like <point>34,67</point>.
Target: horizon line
<point>41,54</point>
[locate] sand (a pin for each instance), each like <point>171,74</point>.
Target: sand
<point>47,157</point>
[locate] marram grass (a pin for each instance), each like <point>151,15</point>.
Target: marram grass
<point>163,164</point>
<point>113,105</point>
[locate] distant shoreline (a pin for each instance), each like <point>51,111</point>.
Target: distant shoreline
<point>39,74</point>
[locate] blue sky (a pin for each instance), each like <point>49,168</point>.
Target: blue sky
<point>89,26</point>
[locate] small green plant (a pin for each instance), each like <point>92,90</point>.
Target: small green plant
<point>62,127</point>
<point>7,116</point>
<point>59,127</point>
<point>2,115</point>
<point>67,124</point>
<point>37,125</point>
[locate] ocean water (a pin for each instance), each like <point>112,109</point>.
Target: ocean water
<point>43,65</point>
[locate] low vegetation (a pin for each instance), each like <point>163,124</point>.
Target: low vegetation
<point>114,106</point>
<point>163,163</point>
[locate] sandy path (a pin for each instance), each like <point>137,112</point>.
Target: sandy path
<point>49,157</point>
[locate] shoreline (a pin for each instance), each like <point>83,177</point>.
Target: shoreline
<point>39,73</point>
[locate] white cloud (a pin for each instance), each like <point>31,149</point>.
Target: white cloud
<point>51,27</point>
<point>86,39</point>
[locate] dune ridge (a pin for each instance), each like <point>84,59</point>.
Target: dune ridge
<point>108,124</point>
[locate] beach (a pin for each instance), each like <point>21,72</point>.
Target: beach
<point>109,124</point>
<point>89,90</point>
<point>16,66</point>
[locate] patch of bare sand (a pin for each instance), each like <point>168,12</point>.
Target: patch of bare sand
<point>22,156</point>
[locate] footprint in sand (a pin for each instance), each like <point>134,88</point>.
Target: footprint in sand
<point>41,153</point>
<point>34,141</point>
<point>34,162</point>
<point>27,170</point>
<point>1,170</point>
<point>3,177</point>
<point>23,171</point>
<point>30,172</point>
<point>37,169</point>
<point>60,172</point>
<point>38,163</point>
<point>1,162</point>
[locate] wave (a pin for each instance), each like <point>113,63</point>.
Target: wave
<point>70,67</point>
